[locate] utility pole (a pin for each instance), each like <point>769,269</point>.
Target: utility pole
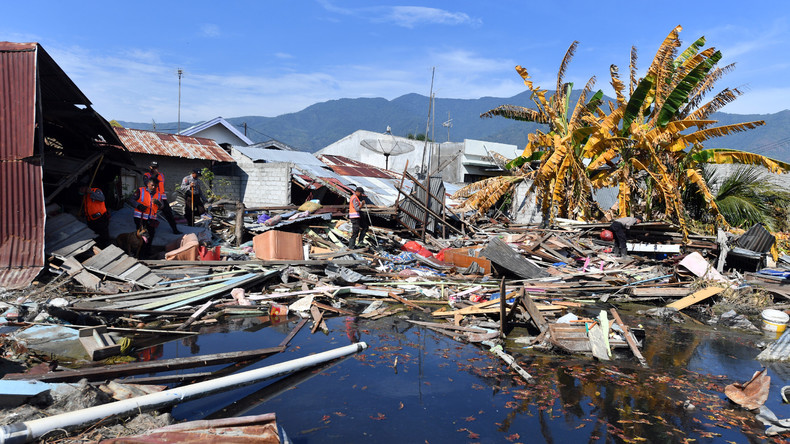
<point>180,73</point>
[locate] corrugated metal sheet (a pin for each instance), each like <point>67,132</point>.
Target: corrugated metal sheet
<point>22,215</point>
<point>757,239</point>
<point>350,167</point>
<point>163,144</point>
<point>18,90</point>
<point>267,155</point>
<point>21,223</point>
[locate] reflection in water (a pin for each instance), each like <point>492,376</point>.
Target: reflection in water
<point>445,391</point>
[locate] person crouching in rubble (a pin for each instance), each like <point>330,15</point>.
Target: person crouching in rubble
<point>359,224</point>
<point>146,202</point>
<point>96,215</point>
<point>193,197</point>
<point>619,227</point>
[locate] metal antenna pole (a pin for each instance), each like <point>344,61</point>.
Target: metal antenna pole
<point>180,73</point>
<point>428,123</point>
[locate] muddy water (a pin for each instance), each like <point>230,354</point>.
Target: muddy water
<point>440,390</point>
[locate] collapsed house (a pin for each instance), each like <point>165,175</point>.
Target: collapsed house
<point>51,137</point>
<point>177,156</point>
<point>456,162</point>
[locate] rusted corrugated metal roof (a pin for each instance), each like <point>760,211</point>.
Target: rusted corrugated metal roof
<point>349,167</point>
<point>21,223</point>
<point>22,215</point>
<point>18,89</point>
<point>163,144</point>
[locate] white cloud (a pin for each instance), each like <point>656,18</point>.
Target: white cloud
<point>283,55</point>
<point>411,16</point>
<point>210,30</point>
<point>404,16</point>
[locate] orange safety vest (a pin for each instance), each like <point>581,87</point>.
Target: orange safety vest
<point>352,212</point>
<point>160,184</point>
<point>94,209</point>
<point>147,199</point>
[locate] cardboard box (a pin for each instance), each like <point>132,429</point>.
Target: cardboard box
<point>278,245</point>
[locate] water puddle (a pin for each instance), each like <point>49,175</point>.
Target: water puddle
<point>415,385</point>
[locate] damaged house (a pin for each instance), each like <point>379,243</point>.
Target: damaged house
<point>177,156</point>
<point>51,138</point>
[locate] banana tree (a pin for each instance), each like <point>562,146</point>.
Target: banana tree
<point>561,181</point>
<point>657,135</point>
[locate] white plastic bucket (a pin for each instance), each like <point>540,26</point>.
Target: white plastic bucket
<point>774,320</point>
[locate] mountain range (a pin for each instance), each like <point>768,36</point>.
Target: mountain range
<point>323,123</point>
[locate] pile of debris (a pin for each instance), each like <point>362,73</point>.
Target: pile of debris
<point>553,290</point>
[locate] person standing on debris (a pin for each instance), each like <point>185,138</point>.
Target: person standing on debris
<point>619,227</point>
<point>154,173</point>
<point>359,224</point>
<point>96,215</point>
<point>146,202</point>
<point>193,197</point>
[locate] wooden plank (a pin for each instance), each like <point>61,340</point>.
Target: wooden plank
<point>136,368</point>
<point>629,337</point>
<point>331,308</point>
<point>119,266</point>
<point>697,296</point>
<point>318,318</point>
<point>534,313</point>
<point>666,292</point>
<point>491,310</point>
<point>502,309</point>
<point>407,302</point>
<point>106,256</point>
<point>150,279</point>
<point>447,326</point>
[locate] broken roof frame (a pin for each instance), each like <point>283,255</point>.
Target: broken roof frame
<point>39,99</point>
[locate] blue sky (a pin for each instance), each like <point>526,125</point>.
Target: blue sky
<point>274,57</point>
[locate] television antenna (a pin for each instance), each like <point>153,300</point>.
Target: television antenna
<point>180,73</point>
<point>448,124</point>
<point>388,147</point>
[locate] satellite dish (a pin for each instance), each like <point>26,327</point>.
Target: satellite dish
<point>387,147</point>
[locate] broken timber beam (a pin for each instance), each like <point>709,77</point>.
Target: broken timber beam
<point>107,372</point>
<point>697,296</point>
<point>629,338</point>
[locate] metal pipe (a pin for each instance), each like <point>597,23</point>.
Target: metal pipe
<point>30,430</point>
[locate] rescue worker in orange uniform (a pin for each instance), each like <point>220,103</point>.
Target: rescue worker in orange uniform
<point>146,202</point>
<point>359,224</point>
<point>165,209</point>
<point>96,215</point>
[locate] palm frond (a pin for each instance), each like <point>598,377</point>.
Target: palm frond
<point>710,133</point>
<point>617,84</point>
<point>719,101</point>
<point>564,65</point>
<point>665,51</point>
<point>515,112</point>
<point>632,69</point>
<point>698,94</point>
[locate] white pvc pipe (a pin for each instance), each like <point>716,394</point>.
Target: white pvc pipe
<point>29,430</point>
